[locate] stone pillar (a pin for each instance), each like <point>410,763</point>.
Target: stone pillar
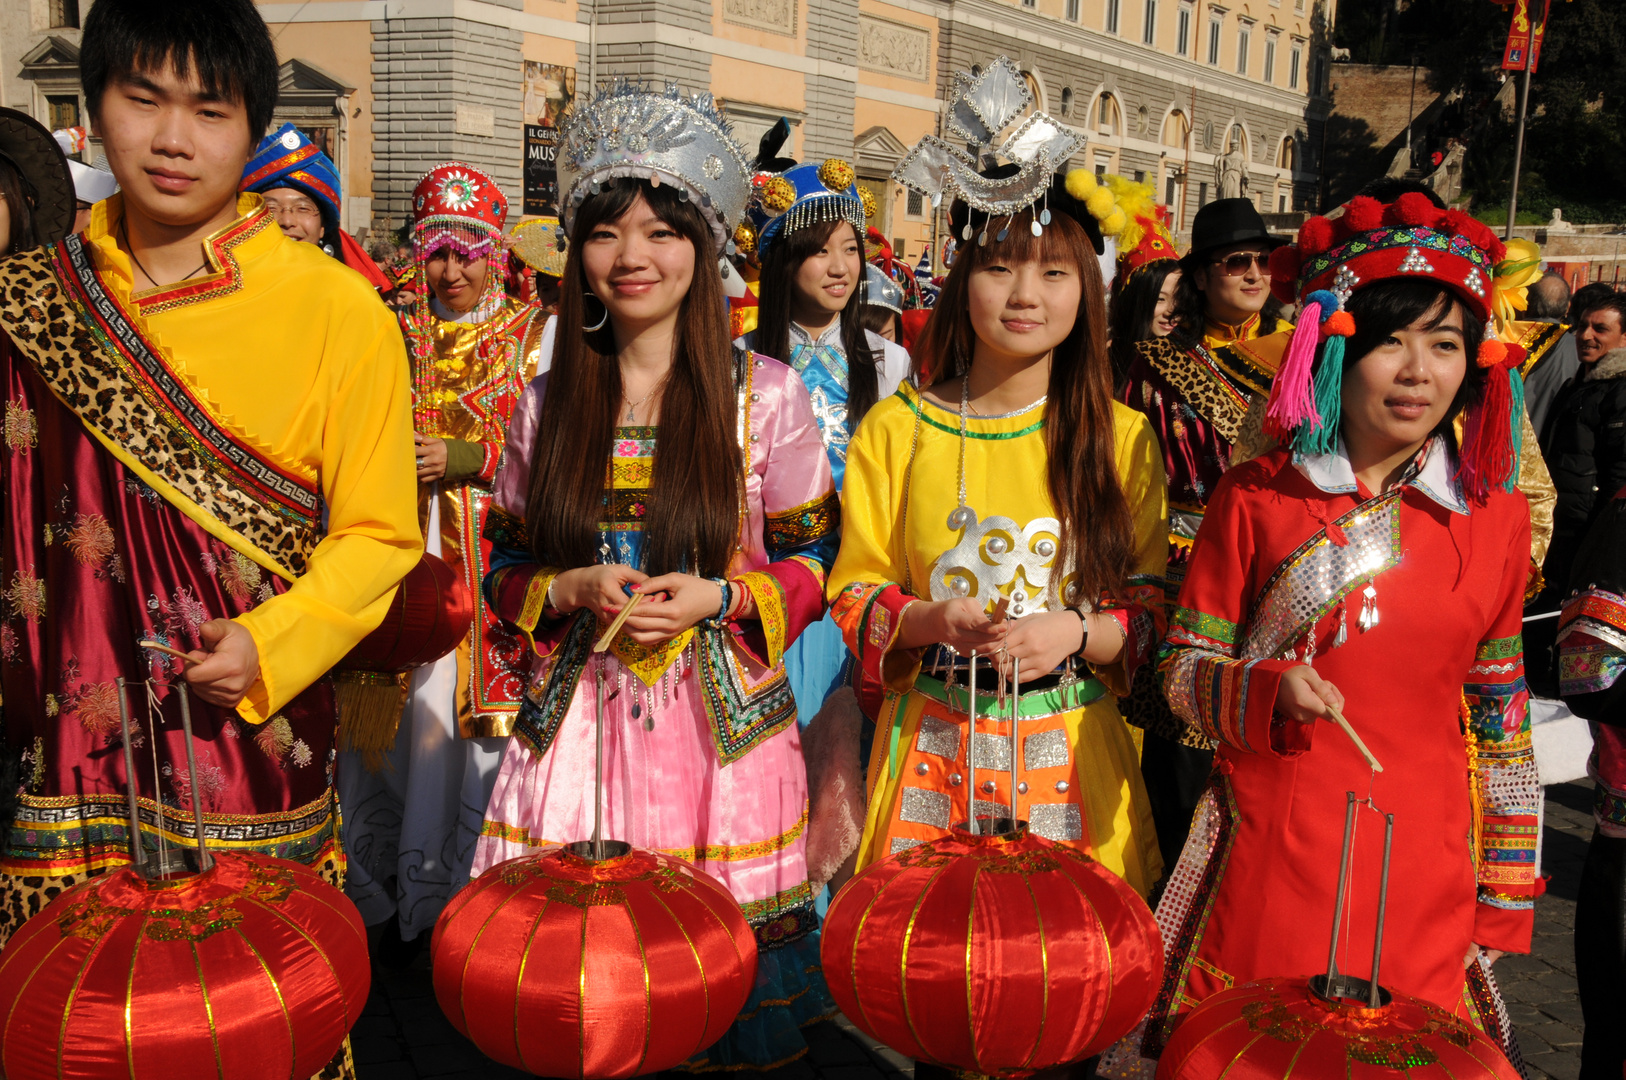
<point>443,89</point>
<point>832,36</point>
<point>627,47</point>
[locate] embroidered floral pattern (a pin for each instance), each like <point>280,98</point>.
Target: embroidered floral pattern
<point>8,643</point>
<point>22,427</point>
<point>27,595</point>
<point>98,707</point>
<point>239,575</point>
<point>301,753</point>
<point>90,539</point>
<point>211,784</point>
<point>275,738</point>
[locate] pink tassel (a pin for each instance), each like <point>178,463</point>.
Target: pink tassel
<point>1292,398</point>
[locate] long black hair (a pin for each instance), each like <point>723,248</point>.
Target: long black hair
<point>779,267</point>
<point>692,524</point>
<point>1129,314</point>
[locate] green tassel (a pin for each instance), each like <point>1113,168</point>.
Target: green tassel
<point>1515,385</point>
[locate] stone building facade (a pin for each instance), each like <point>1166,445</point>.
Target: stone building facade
<point>1160,88</point>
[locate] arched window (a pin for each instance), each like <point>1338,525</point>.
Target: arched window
<point>1237,137</point>
<point>1067,101</point>
<point>1176,129</point>
<point>1106,115</point>
<point>1143,120</point>
<point>1286,155</point>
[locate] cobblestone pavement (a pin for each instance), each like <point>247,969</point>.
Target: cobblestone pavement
<point>404,1036</point>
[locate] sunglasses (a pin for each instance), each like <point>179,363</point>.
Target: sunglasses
<point>1236,265</point>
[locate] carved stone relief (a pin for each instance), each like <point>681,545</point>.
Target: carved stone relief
<point>891,48</point>
<point>776,15</point>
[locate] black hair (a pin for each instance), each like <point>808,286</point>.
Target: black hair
<point>1613,302</point>
<point>1129,314</point>
<point>225,41</point>
<point>874,318</point>
<point>22,200</point>
<point>1386,189</point>
<point>1587,297</point>
<point>1396,303</point>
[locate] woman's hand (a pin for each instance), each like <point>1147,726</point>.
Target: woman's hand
<point>672,603</point>
<point>431,457</point>
<point>1491,956</point>
<point>1304,695</point>
<point>597,588</point>
<point>959,623</point>
<point>1041,642</point>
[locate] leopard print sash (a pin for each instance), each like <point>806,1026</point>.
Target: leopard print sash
<point>92,354</point>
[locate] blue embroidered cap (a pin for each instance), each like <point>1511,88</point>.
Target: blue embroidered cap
<point>286,158</point>
<point>806,195</point>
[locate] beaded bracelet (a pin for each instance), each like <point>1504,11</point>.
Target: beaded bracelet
<point>718,619</point>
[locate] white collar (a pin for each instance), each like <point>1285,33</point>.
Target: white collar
<point>1334,474</point>
<point>445,314</point>
<point>831,336</point>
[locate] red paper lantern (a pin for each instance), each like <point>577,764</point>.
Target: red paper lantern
<point>255,968</point>
<point>571,968</point>
<point>431,613</point>
<point>1264,1030</point>
<point>1001,955</point>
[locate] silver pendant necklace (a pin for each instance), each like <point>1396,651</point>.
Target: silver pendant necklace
<point>961,516</point>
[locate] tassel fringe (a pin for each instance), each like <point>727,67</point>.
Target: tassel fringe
<point>370,705</point>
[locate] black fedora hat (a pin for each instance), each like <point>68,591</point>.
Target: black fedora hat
<point>1225,222</point>
<point>26,144</point>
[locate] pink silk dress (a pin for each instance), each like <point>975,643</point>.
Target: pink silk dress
<point>703,759</point>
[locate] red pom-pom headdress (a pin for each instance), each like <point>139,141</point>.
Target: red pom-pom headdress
<point>1372,241</point>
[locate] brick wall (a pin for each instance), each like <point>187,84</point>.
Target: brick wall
<point>444,89</point>
<point>651,62</point>
<point>832,35</point>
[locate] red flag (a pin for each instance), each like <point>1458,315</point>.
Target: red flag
<point>1522,39</point>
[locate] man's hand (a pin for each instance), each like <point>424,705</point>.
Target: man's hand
<point>1304,695</point>
<point>223,673</point>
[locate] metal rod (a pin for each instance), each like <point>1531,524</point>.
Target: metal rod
<point>205,860</point>
<point>971,748</point>
<point>1383,904</point>
<point>138,856</point>
<point>1343,883</point>
<point>598,767</point>
<point>1016,714</point>
<point>1518,134</point>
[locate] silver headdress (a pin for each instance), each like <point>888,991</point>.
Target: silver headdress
<point>879,290</point>
<point>981,108</point>
<point>663,136</point>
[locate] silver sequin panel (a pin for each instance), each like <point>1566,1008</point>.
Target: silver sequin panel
<point>986,809</point>
<point>1295,599</point>
<point>991,751</point>
<point>1056,821</point>
<point>903,843</point>
<point>1045,749</point>
<point>938,737</point>
<point>923,806</point>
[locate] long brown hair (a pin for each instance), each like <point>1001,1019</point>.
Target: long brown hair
<point>780,266</point>
<point>1097,532</point>
<point>692,523</point>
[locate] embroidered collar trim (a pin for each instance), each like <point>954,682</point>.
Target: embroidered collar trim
<point>1433,472</point>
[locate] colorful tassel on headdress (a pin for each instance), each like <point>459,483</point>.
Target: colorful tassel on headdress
<point>1292,401</point>
<point>1493,431</point>
<point>1321,437</point>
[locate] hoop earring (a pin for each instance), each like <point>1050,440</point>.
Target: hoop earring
<point>604,316</point>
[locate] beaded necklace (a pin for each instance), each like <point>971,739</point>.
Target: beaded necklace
<point>429,401</point>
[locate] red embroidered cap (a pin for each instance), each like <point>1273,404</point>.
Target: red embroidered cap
<point>457,206</point>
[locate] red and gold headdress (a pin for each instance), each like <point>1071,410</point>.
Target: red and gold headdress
<point>1145,239</point>
<point>1370,242</point>
<point>457,206</point>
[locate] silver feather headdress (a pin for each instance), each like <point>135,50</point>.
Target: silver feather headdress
<point>663,136</point>
<point>981,109</point>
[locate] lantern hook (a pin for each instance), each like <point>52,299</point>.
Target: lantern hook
<point>598,849</point>
<point>1334,985</point>
<point>138,854</point>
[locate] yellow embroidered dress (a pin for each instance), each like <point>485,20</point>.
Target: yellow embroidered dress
<point>1081,771</point>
